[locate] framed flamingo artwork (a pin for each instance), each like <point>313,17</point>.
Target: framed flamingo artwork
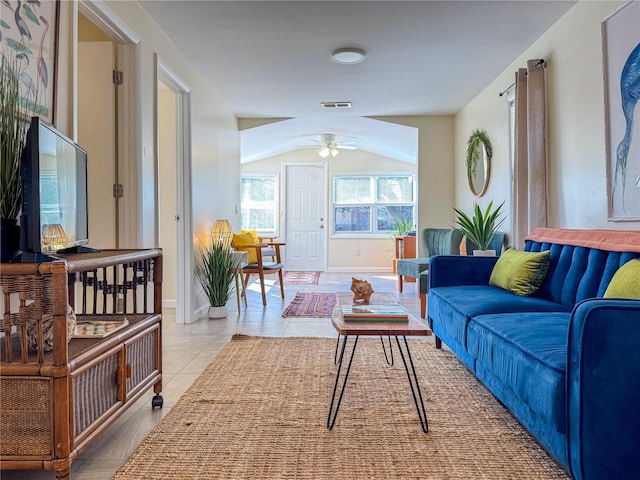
<point>28,38</point>
<point>621,55</point>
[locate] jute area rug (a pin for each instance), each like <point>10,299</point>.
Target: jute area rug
<point>259,411</point>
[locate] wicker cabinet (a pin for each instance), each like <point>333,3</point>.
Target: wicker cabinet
<point>54,403</point>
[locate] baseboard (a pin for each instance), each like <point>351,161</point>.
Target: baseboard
<point>201,312</point>
<point>169,303</point>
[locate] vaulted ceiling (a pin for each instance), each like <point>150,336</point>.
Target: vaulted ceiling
<point>271,59</point>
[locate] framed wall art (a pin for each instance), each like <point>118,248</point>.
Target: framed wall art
<point>621,55</point>
<point>28,38</point>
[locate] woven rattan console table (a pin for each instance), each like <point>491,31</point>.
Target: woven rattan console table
<point>53,404</point>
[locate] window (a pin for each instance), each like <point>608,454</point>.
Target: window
<point>371,204</point>
<point>259,208</point>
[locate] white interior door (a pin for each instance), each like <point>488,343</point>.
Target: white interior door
<point>96,134</point>
<point>167,188</point>
<point>305,194</point>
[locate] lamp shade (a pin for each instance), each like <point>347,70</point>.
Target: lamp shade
<point>53,236</point>
<point>222,233</point>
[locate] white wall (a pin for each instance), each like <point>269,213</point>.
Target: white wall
<point>376,253</point>
<point>435,168</point>
<point>576,157</point>
<point>215,137</point>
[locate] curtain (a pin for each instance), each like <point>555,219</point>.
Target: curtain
<point>530,165</point>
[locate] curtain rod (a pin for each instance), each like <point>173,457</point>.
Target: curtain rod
<point>539,63</point>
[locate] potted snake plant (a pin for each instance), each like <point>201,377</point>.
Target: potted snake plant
<point>481,226</point>
<point>14,123</point>
<point>214,268</point>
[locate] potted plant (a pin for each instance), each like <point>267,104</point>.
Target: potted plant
<point>214,268</point>
<point>480,228</point>
<point>401,227</point>
<point>13,129</point>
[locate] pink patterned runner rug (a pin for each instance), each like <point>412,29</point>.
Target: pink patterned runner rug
<point>311,305</point>
<point>300,278</point>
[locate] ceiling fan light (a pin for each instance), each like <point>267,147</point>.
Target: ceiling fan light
<point>334,152</point>
<point>324,152</point>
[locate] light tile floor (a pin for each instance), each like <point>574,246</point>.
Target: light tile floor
<point>189,348</point>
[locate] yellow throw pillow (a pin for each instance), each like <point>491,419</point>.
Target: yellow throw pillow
<point>625,282</point>
<point>253,233</point>
<point>520,272</point>
<point>242,240</point>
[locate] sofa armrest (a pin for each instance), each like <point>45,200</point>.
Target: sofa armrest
<point>450,270</point>
<point>603,389</point>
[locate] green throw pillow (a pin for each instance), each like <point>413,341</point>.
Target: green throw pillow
<point>520,272</point>
<point>626,282</point>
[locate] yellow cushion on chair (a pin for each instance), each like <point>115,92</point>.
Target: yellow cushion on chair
<point>242,240</point>
<point>253,233</point>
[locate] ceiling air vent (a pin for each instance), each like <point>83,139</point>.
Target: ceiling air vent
<point>336,104</point>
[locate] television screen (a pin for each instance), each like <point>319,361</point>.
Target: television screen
<point>54,211</point>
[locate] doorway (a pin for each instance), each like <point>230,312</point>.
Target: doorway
<point>306,216</point>
<point>105,124</point>
<point>96,131</point>
<point>173,188</point>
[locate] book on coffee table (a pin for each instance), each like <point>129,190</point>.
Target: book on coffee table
<point>375,313</point>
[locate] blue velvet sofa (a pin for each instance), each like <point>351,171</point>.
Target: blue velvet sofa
<point>564,361</point>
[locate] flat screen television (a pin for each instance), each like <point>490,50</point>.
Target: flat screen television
<point>54,198</point>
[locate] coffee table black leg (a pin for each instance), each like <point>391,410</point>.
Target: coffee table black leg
<point>413,383</point>
<point>335,355</point>
<point>331,419</point>
<point>386,358</point>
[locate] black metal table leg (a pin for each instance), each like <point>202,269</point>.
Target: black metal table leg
<point>386,358</point>
<point>335,355</point>
<point>331,418</point>
<point>415,386</point>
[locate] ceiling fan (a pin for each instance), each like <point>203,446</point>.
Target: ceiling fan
<point>330,146</point>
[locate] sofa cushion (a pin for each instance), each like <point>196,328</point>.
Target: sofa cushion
<point>528,353</point>
<point>458,304</point>
<point>520,272</point>
<point>577,273</point>
<point>626,282</point>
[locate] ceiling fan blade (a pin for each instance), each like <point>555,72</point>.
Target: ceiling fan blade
<point>346,147</point>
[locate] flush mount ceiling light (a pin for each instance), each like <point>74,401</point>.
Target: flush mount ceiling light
<point>348,55</point>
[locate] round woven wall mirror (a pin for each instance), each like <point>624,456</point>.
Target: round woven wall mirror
<point>478,162</point>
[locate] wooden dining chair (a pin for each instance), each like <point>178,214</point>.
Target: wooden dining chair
<point>258,266</point>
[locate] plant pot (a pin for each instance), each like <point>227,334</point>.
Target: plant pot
<point>218,312</point>
<point>484,253</point>
<point>9,239</point>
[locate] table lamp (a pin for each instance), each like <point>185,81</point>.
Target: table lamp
<point>222,233</point>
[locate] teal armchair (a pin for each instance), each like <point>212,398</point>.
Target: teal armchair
<point>435,241</point>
